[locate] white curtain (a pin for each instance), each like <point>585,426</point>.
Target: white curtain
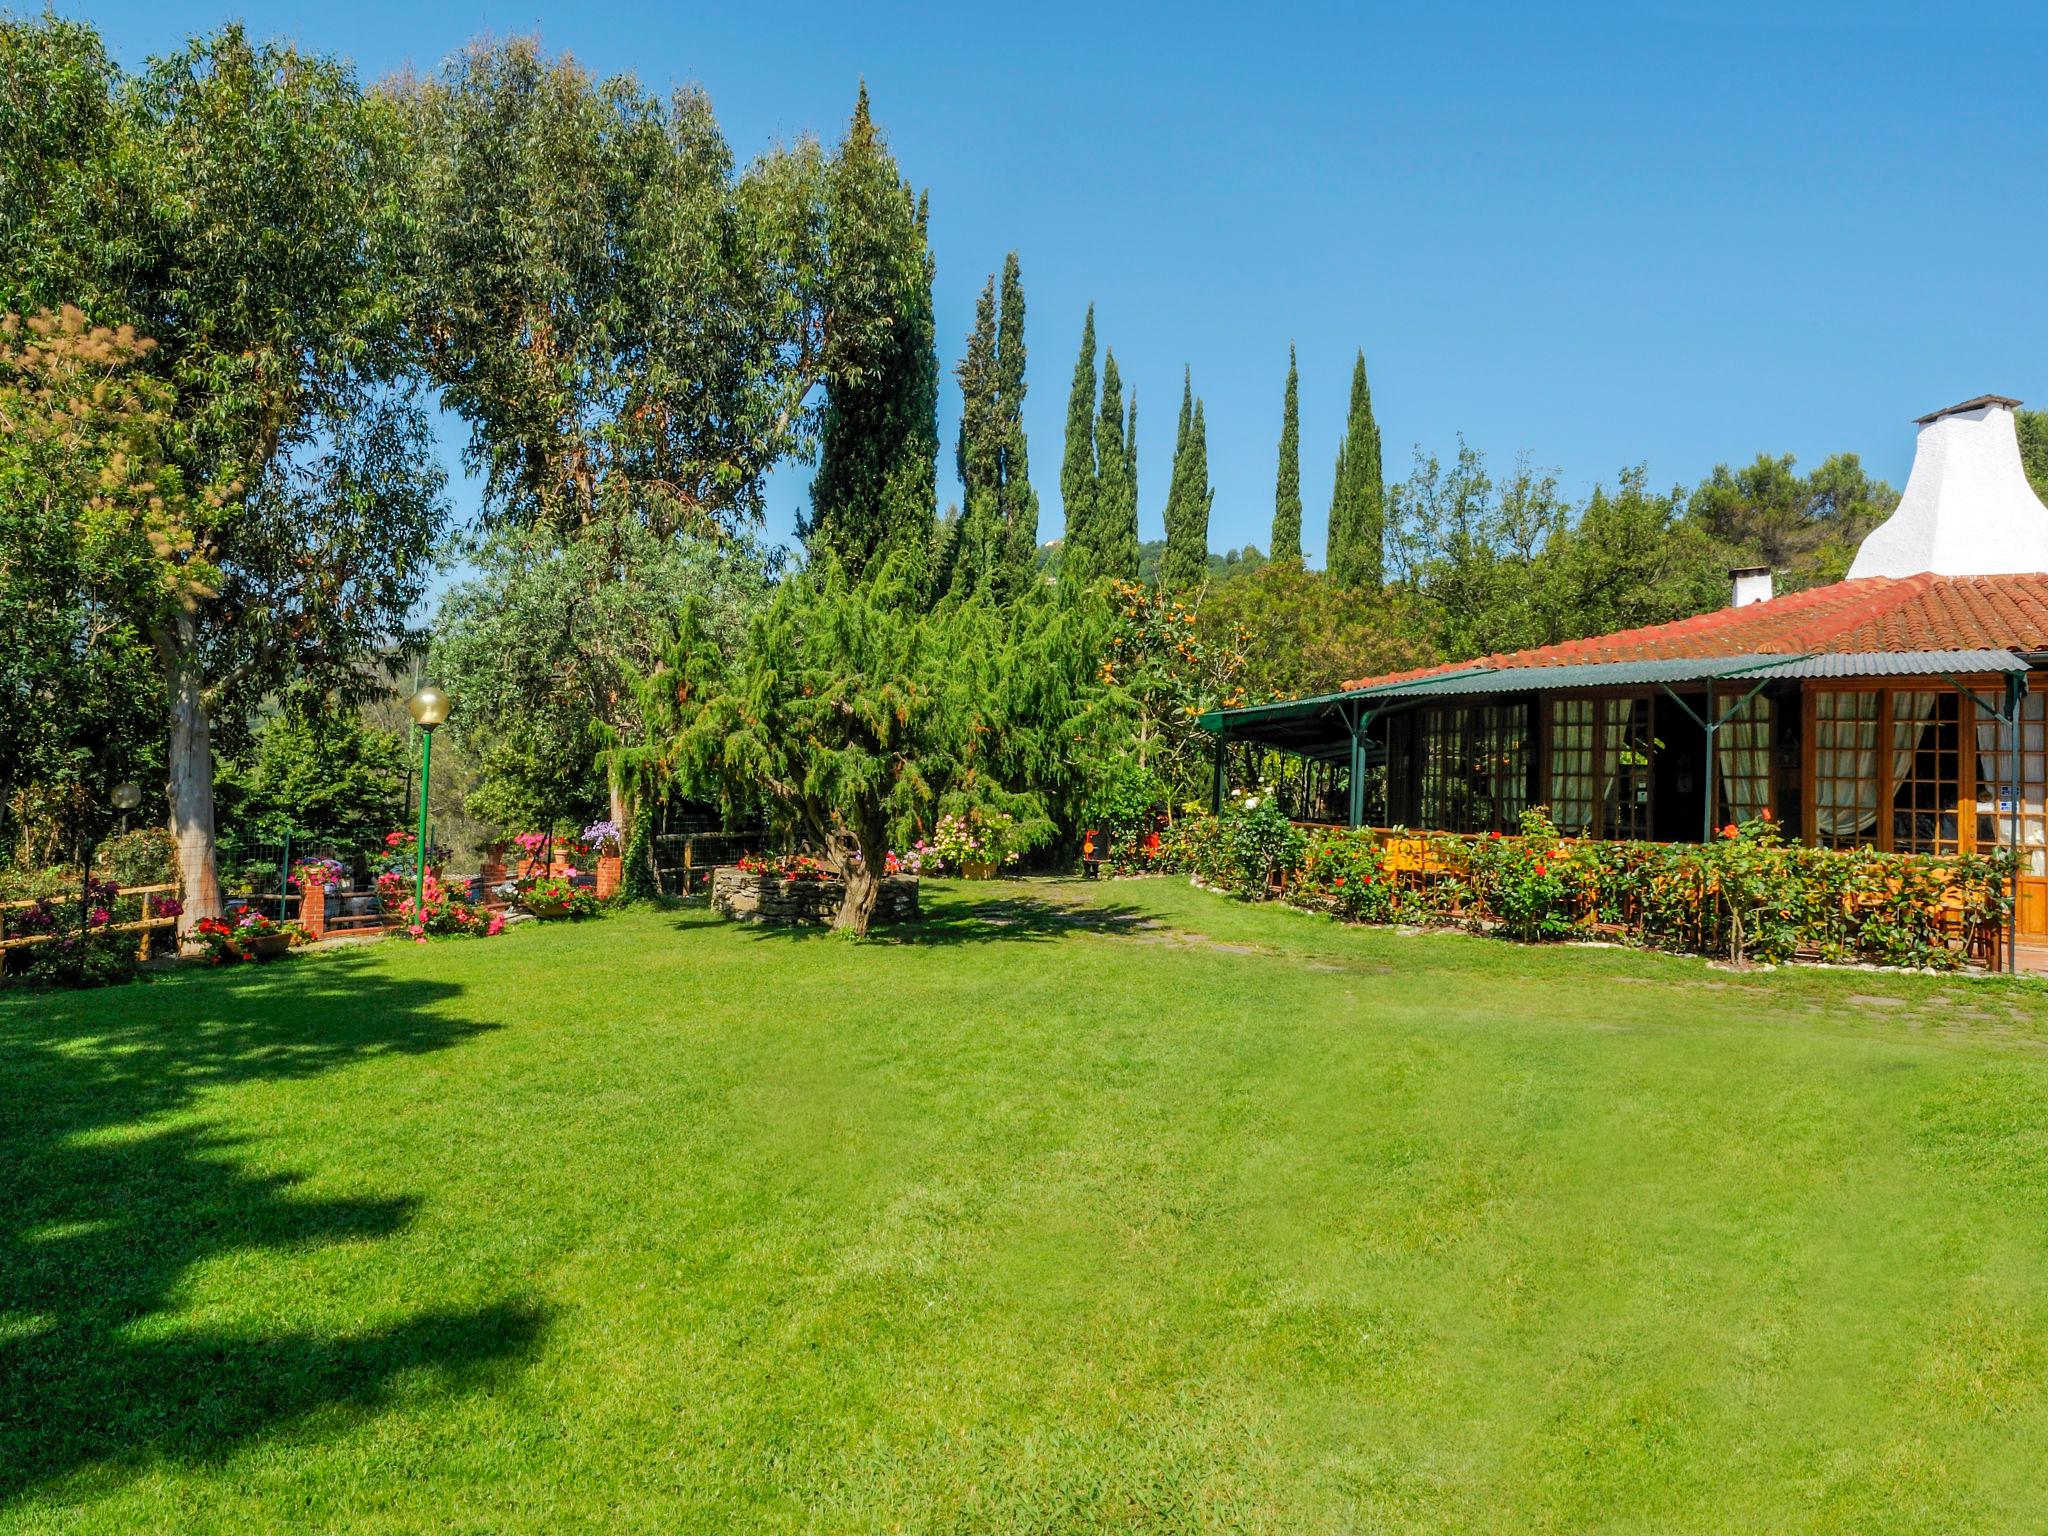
<point>1742,760</point>
<point>1994,772</point>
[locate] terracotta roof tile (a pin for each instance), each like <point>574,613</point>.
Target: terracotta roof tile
<point>1875,613</point>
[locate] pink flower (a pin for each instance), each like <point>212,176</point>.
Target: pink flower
<point>494,928</point>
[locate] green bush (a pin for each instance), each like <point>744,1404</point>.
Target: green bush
<point>1748,894</point>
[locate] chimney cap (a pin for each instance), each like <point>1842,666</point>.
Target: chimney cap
<point>1750,570</point>
<point>1968,405</point>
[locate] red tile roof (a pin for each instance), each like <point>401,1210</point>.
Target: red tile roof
<point>1876,613</point>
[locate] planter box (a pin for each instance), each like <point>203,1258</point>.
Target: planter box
<point>749,896</point>
<point>547,911</point>
<point>267,946</point>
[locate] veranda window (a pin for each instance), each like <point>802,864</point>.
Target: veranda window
<point>1571,765</point>
<point>1901,769</point>
<point>2004,809</point>
<point>1625,744</point>
<point>1600,766</point>
<point>1475,767</point>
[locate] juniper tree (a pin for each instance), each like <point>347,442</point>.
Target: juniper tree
<point>974,561</point>
<point>1358,497</point>
<point>1080,484</point>
<point>1114,551</point>
<point>1020,501</point>
<point>1287,490</point>
<point>1188,499</point>
<point>876,491</point>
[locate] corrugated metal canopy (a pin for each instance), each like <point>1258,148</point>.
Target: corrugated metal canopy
<point>1597,674</point>
<point>1896,664</point>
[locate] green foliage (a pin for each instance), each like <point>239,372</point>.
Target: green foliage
<point>1805,527</point>
<point>315,772</point>
<point>1256,844</point>
<point>629,327</point>
<point>875,497</point>
<point>1114,538</point>
<point>1287,485</point>
<point>994,546</point>
<point>1162,674</point>
<point>849,720</point>
<point>538,647</point>
<point>2032,427</point>
<point>1355,554</point>
<point>74,959</point>
<point>1019,500</point>
<point>1188,500</point>
<point>1302,633</point>
<point>636,868</point>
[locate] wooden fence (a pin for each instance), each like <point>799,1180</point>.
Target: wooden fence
<point>144,927</point>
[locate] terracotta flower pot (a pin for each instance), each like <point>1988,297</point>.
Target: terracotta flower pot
<point>977,870</point>
<point>609,871</point>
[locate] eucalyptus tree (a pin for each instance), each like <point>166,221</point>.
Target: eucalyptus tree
<point>230,204</point>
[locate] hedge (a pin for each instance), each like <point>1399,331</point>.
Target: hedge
<point>1746,895</point>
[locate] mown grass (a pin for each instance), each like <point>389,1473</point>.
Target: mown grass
<point>1114,1208</point>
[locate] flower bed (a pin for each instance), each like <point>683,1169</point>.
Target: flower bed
<point>754,891</point>
<point>1748,895</point>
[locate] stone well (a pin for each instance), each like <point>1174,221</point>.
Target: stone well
<point>753,896</point>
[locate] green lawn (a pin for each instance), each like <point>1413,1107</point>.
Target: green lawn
<point>1115,1208</point>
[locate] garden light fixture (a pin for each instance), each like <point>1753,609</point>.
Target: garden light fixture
<point>429,708</point>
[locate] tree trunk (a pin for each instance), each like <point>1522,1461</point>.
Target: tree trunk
<point>191,773</point>
<point>862,861</point>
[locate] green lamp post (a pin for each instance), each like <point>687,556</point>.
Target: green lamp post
<point>429,710</point>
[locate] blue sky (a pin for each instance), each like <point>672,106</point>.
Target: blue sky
<point>1631,235</point>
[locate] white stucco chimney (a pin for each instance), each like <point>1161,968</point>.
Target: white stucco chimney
<point>1967,510</point>
<point>1753,584</point>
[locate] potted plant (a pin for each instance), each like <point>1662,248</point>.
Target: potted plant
<point>977,843</point>
<point>548,898</point>
<point>604,840</point>
<point>260,937</point>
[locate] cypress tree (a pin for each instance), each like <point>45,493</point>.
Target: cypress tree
<point>1080,489</point>
<point>876,490</point>
<point>1185,564</point>
<point>977,543</point>
<point>1287,491</point>
<point>1114,544</point>
<point>1358,500</point>
<point>1019,500</point>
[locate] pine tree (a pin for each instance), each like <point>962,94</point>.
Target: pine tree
<point>975,558</point>
<point>1080,489</point>
<point>1358,500</point>
<point>1186,561</point>
<point>1020,501</point>
<point>876,490</point>
<point>1287,492</point>
<point>1114,541</point>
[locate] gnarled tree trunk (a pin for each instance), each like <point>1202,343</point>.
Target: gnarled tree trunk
<point>191,772</point>
<point>862,861</point>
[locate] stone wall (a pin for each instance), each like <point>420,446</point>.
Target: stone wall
<point>749,896</point>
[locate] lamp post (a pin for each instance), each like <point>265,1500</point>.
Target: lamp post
<point>124,797</point>
<point>429,709</point>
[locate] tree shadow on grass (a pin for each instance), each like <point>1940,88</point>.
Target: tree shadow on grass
<point>104,1210</point>
<point>1005,918</point>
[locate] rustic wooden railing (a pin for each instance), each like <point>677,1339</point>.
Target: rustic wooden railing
<point>145,927</point>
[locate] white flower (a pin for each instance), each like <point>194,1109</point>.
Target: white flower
<point>1251,802</point>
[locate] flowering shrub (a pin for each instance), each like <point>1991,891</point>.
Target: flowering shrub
<point>441,914</point>
<point>603,837</point>
<point>1749,894</point>
<point>1258,842</point>
<point>975,837</point>
<point>788,866</point>
<point>90,959</point>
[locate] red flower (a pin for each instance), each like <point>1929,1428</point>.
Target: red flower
<point>1493,837</point>
<point>1729,830</point>
<point>1542,869</point>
